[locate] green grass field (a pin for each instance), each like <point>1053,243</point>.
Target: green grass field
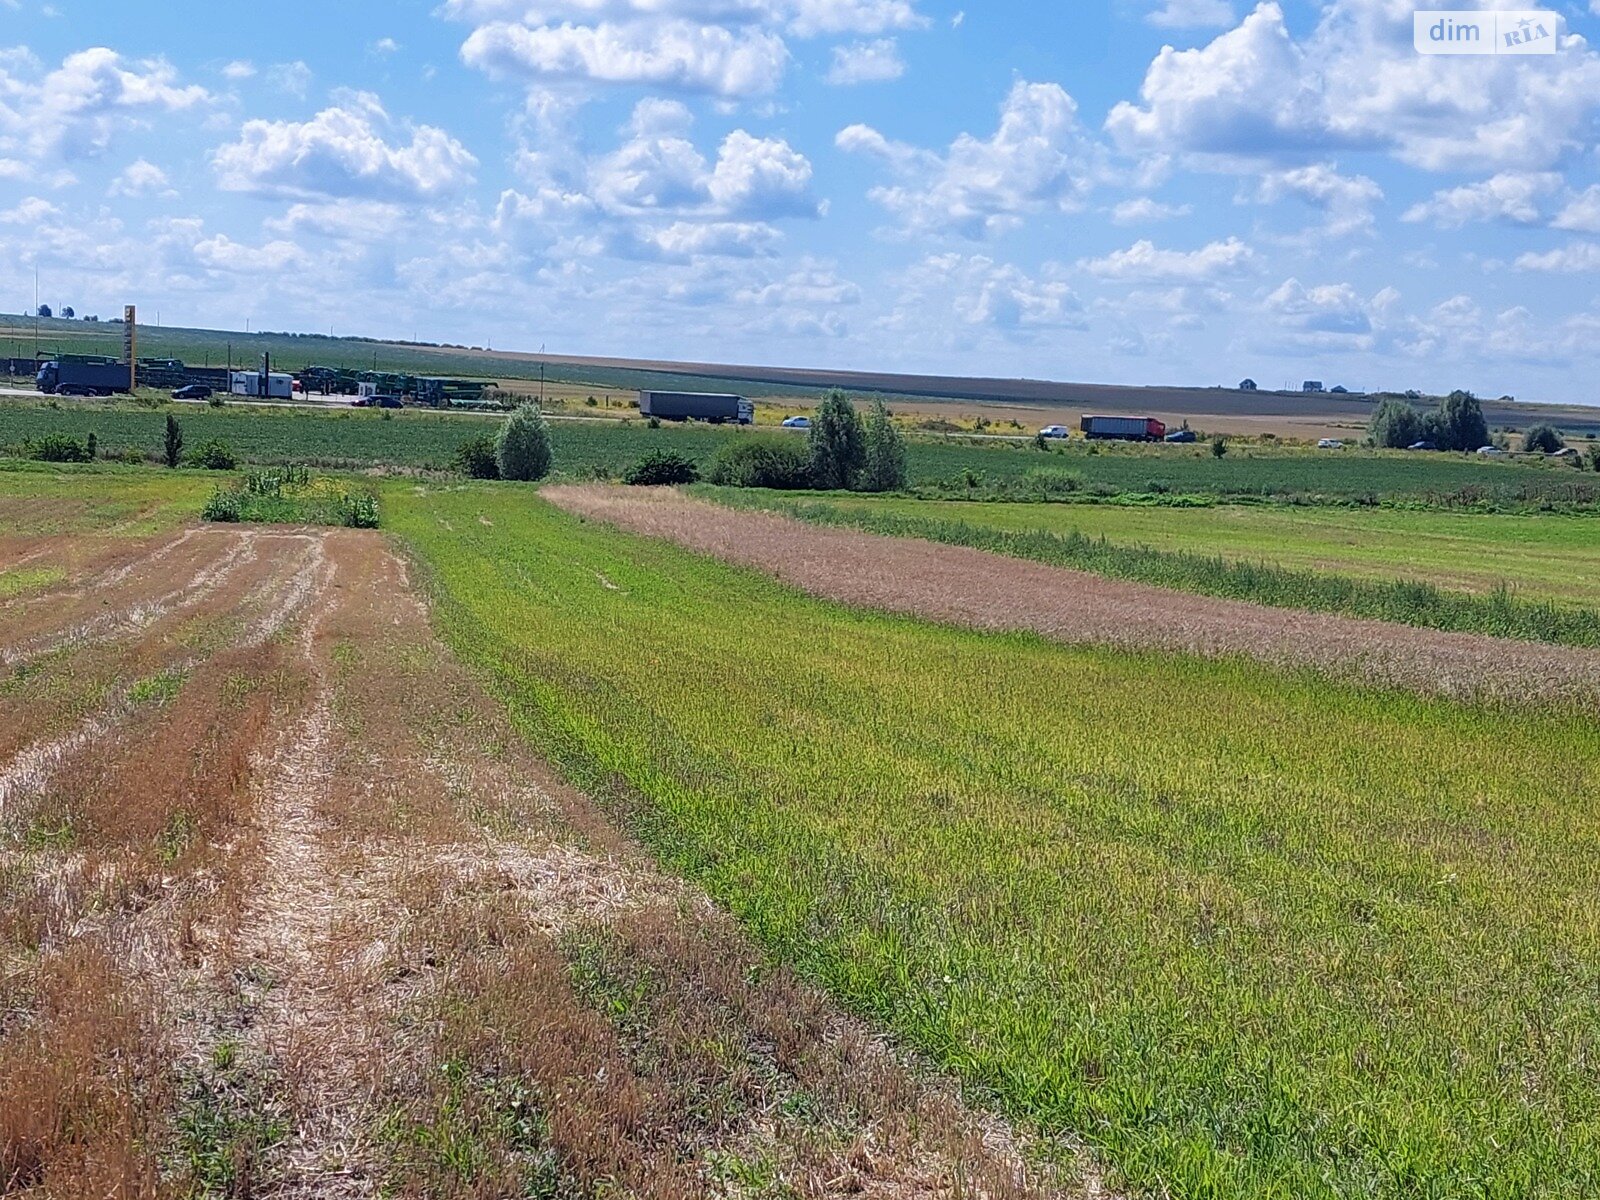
<point>1542,557</point>
<point>40,499</point>
<point>1249,934</point>
<point>953,466</point>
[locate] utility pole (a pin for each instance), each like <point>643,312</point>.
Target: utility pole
<point>541,374</point>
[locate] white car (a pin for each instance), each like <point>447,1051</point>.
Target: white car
<point>1492,452</point>
<point>797,423</point>
<point>1055,431</point>
<point>1330,444</point>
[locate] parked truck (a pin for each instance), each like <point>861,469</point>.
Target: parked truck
<point>697,406</point>
<point>69,378</point>
<point>1124,429</point>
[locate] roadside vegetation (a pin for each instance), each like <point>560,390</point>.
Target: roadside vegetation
<point>1456,424</point>
<point>1250,933</point>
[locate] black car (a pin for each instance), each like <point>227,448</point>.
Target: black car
<point>387,401</point>
<point>1183,437</point>
<point>193,391</point>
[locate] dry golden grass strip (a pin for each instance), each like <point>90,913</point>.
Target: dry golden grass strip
<point>988,591</point>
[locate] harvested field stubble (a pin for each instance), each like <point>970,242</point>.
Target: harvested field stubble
<point>1250,932</point>
<point>287,909</point>
<point>990,591</point>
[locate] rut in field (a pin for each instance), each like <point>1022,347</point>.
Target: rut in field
<point>307,920</point>
<point>990,591</point>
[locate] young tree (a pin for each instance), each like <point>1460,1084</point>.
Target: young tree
<point>523,447</point>
<point>1542,439</point>
<point>1395,425</point>
<point>884,465</point>
<point>838,443</point>
<point>1461,422</point>
<point>173,446</point>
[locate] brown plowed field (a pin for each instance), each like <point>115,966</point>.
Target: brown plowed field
<point>286,910</point>
<point>988,591</point>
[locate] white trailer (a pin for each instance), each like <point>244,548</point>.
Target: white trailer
<point>248,383</point>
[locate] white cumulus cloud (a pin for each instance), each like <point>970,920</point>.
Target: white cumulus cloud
<point>1356,82</point>
<point>141,178</point>
<point>672,54</point>
<point>1145,261</point>
<point>77,109</point>
<point>1514,196</point>
<point>866,62</point>
<point>345,150</point>
<point>1039,159</point>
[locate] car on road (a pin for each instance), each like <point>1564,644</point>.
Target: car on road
<point>797,423</point>
<point>1492,452</point>
<point>193,391</point>
<point>1330,444</point>
<point>1055,431</point>
<point>388,402</point>
<point>1183,437</point>
<point>1423,446</point>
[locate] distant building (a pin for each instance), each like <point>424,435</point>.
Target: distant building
<point>1340,390</point>
<point>1249,385</point>
<point>1312,385</point>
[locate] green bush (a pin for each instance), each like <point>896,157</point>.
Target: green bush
<point>778,463</point>
<point>476,459</point>
<point>1219,447</point>
<point>884,465</point>
<point>661,469</point>
<point>225,505</point>
<point>1461,423</point>
<point>522,450</point>
<point>1543,439</point>
<point>1395,425</point>
<point>215,455</point>
<point>59,448</point>
<point>838,443</point>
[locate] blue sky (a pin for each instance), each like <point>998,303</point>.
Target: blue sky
<point>1176,191</point>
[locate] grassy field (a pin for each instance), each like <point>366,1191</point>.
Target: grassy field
<point>1528,577</point>
<point>43,499</point>
<point>1541,557</point>
<point>954,467</point>
<point>1250,934</point>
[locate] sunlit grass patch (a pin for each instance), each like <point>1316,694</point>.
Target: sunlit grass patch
<point>1249,932</point>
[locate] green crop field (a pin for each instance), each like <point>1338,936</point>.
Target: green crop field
<point>1541,557</point>
<point>993,468</point>
<point>1249,934</point>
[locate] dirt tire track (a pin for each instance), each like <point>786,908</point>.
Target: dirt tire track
<point>986,591</point>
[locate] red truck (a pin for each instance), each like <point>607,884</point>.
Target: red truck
<point>1124,429</point>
